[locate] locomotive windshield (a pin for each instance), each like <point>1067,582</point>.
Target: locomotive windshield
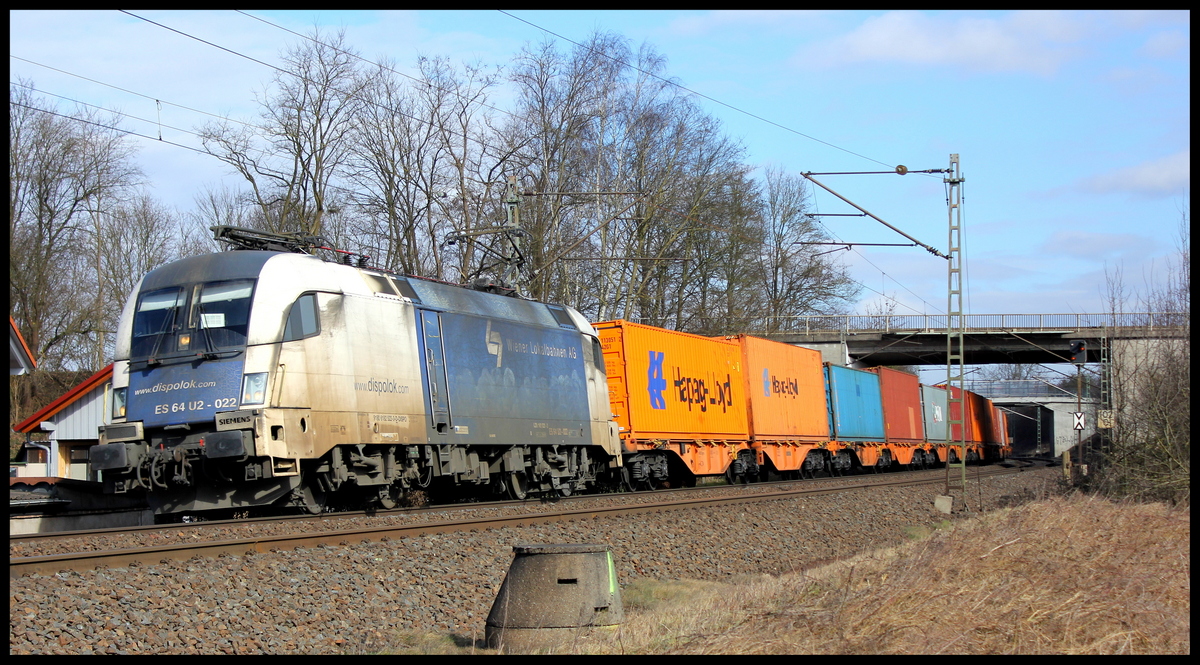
<point>195,320</point>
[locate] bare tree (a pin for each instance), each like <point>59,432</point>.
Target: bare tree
<point>292,160</point>
<point>471,161</point>
<point>136,237</point>
<point>213,207</point>
<point>416,177</point>
<point>1149,455</point>
<point>66,171</point>
<point>798,278</point>
<point>554,137</point>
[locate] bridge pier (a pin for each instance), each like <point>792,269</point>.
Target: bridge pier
<point>837,353</point>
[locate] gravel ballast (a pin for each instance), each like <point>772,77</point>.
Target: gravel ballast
<point>354,599</point>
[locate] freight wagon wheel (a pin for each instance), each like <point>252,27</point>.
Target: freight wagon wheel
<point>518,488</point>
<point>735,478</point>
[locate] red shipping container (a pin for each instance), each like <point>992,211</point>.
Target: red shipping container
<point>901,393</point>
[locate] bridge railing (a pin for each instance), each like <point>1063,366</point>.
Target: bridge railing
<point>1026,388</point>
<point>839,323</point>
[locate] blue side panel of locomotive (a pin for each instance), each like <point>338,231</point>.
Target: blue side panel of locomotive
<point>512,373</point>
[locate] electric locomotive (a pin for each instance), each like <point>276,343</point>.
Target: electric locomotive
<point>268,376</point>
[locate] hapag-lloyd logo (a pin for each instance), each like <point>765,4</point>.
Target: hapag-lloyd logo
<point>773,385</point>
<point>693,391</point>
<point>657,382</point>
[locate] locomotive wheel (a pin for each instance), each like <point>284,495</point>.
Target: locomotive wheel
<point>518,488</point>
<point>389,497</point>
<point>313,497</point>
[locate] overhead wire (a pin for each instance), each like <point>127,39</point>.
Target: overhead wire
<point>698,94</point>
<point>132,92</point>
<point>102,108</point>
<point>744,112</point>
<point>236,53</point>
<point>882,272</point>
<point>109,127</point>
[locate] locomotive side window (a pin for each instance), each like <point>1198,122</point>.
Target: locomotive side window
<point>379,284</point>
<point>598,355</point>
<point>406,289</point>
<point>302,319</point>
<point>157,315</point>
<point>560,315</point>
<point>223,310</point>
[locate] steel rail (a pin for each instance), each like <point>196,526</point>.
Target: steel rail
<point>50,564</point>
<point>380,512</point>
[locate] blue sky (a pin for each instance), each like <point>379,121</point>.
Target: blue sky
<point>1073,128</point>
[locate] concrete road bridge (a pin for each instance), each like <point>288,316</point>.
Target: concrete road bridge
<point>868,341</point>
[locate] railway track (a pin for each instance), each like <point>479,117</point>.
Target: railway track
<point>302,534</point>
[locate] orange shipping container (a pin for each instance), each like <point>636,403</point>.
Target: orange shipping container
<point>673,386</point>
<point>786,386</point>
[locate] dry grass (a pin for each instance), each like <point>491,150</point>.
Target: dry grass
<point>1068,575</point>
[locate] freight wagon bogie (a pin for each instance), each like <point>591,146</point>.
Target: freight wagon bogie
<point>655,469</point>
<point>792,461</point>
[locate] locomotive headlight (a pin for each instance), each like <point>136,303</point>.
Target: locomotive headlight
<point>254,388</point>
<point>118,407</point>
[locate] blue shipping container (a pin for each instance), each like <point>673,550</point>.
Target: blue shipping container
<point>855,404</point>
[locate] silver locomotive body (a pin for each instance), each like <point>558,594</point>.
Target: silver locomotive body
<point>254,378</point>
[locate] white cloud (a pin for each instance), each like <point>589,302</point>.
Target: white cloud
<point>1037,42</point>
<point>1167,44</point>
<point>708,23</point>
<point>1165,176</point>
<point>1083,243</point>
